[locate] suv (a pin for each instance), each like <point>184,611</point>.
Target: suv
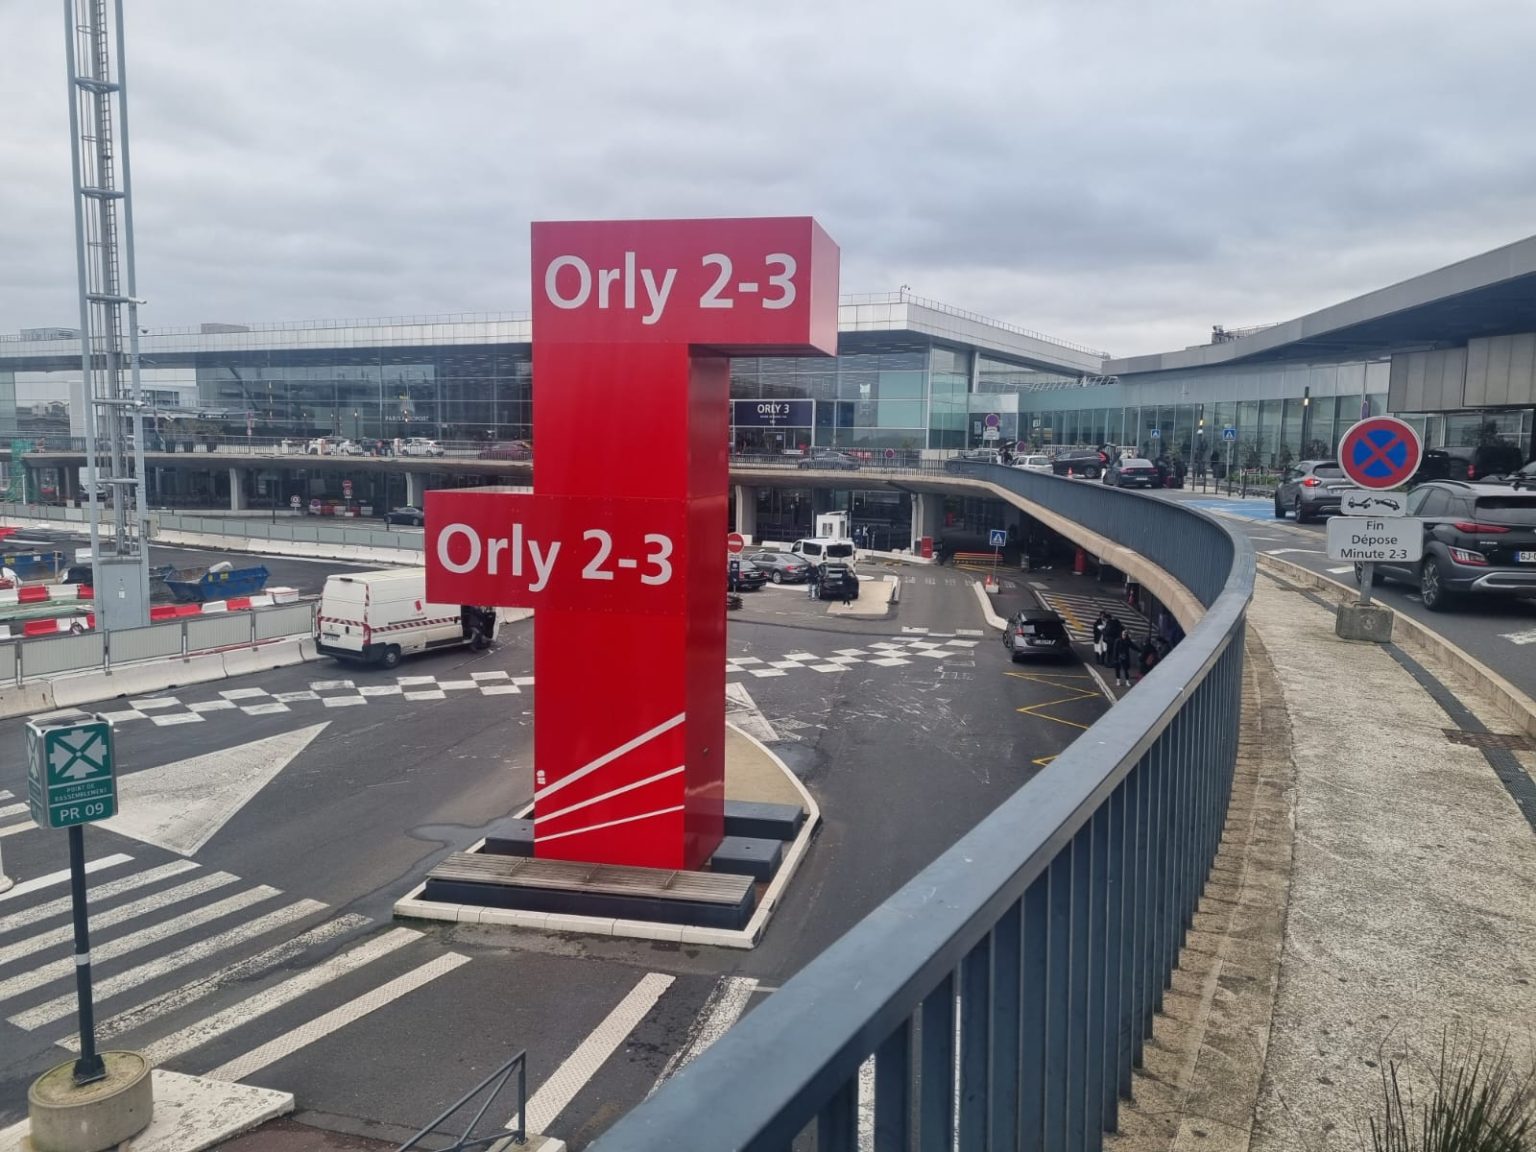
<point>831,578</point>
<point>1036,632</point>
<point>1467,463</point>
<point>419,446</point>
<point>1310,489</point>
<point>1479,539</point>
<point>1087,463</point>
<point>817,549</point>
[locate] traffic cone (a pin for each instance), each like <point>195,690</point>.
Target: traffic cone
<point>1070,474</point>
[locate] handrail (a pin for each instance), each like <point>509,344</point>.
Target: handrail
<point>1051,928</point>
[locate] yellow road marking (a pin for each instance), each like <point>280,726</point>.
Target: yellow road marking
<point>1042,761</point>
<point>1065,609</point>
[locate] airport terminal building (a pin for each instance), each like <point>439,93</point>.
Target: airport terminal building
<point>1453,350</point>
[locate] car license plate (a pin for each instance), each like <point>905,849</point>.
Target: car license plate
<point>1526,557</point>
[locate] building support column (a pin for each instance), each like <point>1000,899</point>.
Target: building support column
<point>237,502</point>
<point>927,518</point>
<point>746,512</point>
<point>413,489</point>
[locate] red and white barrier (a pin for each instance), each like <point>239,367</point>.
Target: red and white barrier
<point>44,593</point>
<point>157,613</point>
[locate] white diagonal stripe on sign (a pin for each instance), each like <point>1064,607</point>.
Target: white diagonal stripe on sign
<point>117,915</point>
<point>131,1018</point>
<point>537,839</point>
<point>260,1003</point>
<point>27,887</point>
<point>62,1006</point>
<point>100,892</point>
<point>559,812</point>
<point>592,1053</point>
<point>609,757</point>
<point>334,1020</point>
<point>112,949</point>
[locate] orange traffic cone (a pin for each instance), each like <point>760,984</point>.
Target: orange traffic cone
<point>1070,474</point>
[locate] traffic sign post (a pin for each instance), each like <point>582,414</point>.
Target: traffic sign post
<point>1379,453</point>
<point>294,503</point>
<point>71,781</point>
<point>346,489</point>
<point>734,543</point>
<point>996,537</point>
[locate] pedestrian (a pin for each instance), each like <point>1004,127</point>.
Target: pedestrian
<point>1121,651</point>
<point>1149,657</point>
<point>849,583</point>
<point>1100,649</point>
<point>813,583</point>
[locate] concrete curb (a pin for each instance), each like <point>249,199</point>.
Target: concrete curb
<point>412,907</point>
<point>302,549</point>
<point>148,676</point>
<point>1407,632</point>
<point>992,618</point>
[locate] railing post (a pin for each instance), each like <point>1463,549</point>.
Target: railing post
<point>975,1029</point>
<point>936,1090</point>
<point>1058,969</point>
<point>893,1091</point>
<point>1003,1076</point>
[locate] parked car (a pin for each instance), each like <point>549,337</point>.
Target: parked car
<point>1311,489</point>
<point>744,576</point>
<point>833,461</point>
<point>782,567</point>
<point>1477,463</point>
<point>408,516</point>
<point>1086,463</point>
<point>420,446</point>
<point>1131,472</point>
<point>509,450</point>
<point>1479,540</point>
<point>833,576</point>
<point>1033,463</point>
<point>1036,632</point>
<point>816,549</point>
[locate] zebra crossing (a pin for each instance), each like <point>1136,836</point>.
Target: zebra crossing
<point>191,964</point>
<point>1078,611</point>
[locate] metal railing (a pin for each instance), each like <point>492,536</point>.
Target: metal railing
<point>39,657</point>
<point>490,1087</point>
<point>1004,995</point>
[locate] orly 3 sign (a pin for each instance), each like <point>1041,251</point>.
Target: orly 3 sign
<point>773,413</point>
<point>623,558</point>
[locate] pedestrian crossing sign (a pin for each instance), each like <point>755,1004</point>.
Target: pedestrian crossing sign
<point>997,538</point>
<point>70,771</point>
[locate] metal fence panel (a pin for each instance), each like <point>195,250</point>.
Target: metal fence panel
<point>1108,825</point>
<point>48,656</point>
<point>285,620</point>
<point>8,663</point>
<point>218,631</point>
<point>155,641</point>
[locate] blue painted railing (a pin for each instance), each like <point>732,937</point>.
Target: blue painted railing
<point>1006,992</point>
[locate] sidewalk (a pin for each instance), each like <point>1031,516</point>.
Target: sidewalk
<point>1374,894</point>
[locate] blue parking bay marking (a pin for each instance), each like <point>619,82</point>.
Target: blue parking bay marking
<point>1244,509</point>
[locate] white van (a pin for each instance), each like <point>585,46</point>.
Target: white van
<point>820,549</point>
<point>378,617</point>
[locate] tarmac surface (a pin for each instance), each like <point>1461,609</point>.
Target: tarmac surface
<point>247,933</point>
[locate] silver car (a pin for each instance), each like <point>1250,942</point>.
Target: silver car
<point>1311,489</point>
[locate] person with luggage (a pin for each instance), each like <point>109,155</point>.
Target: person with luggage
<point>1122,651</point>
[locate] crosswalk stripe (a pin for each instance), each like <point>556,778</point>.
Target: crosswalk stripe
<point>590,1055</point>
<point>100,892</point>
<point>15,829</point>
<point>260,1003</point>
<point>112,949</point>
<point>62,1006</point>
<point>724,1007</point>
<point>176,998</point>
<point>117,915</point>
<point>12,809</point>
<point>322,1026</point>
<point>4,795</point>
<point>27,887</point>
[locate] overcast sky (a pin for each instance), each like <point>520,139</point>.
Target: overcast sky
<point>1121,173</point>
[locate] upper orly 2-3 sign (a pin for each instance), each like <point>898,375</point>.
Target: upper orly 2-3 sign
<point>672,281</point>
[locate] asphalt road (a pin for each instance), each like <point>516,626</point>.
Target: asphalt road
<point>264,951</point>
<point>1500,633</point>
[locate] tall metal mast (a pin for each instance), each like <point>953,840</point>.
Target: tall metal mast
<point>109,320</point>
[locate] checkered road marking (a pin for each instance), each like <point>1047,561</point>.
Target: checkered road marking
<point>166,711</point>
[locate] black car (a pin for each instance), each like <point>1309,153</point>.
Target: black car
<point>833,577</point>
<point>1131,472</point>
<point>1080,462</point>
<point>1479,540</point>
<point>831,461</point>
<point>744,576</point>
<point>408,516</point>
<point>1036,632</point>
<point>1477,463</point>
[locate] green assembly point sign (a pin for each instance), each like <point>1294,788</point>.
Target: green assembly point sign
<point>70,776</point>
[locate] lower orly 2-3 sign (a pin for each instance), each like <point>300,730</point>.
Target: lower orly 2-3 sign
<point>508,548</point>
<point>1369,540</point>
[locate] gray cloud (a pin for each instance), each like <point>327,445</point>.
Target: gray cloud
<point>1115,172</point>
